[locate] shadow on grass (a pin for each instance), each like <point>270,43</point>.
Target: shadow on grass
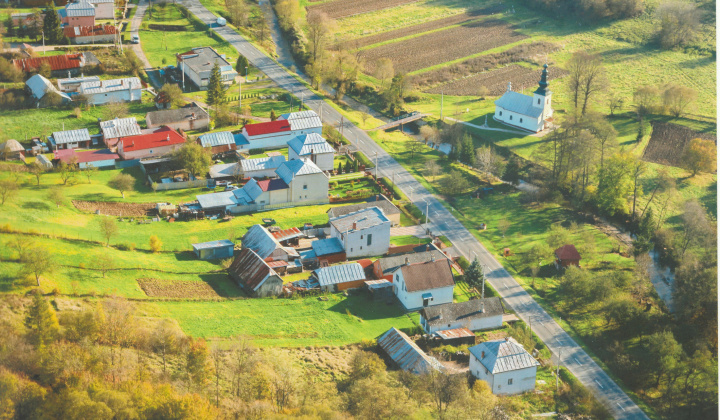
<point>361,306</point>
<point>222,285</point>
<point>36,205</point>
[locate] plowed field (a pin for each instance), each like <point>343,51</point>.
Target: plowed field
<point>668,141</point>
<point>443,46</point>
<point>343,8</point>
<point>110,208</point>
<point>177,289</point>
<point>496,81</point>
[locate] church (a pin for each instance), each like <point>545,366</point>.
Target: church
<point>533,113</point>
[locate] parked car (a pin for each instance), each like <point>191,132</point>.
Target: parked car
<point>135,39</point>
<point>231,187</point>
<point>221,21</point>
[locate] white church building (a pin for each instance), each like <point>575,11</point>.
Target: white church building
<point>533,113</point>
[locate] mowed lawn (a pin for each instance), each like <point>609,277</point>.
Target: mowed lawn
<point>285,322</point>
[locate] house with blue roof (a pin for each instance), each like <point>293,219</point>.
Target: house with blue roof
<point>532,113</point>
<point>313,147</point>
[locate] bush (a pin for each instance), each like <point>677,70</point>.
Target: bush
<point>126,246</point>
<point>463,263</point>
<point>363,160</point>
<point>155,244</point>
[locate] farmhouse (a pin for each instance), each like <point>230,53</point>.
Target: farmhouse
<point>70,139</point>
<point>197,64</point>
<point>60,65</point>
<point>220,142</point>
<point>263,243</point>
<point>363,233</point>
<point>425,284</point>
<point>156,144</point>
<point>81,13</point>
<point>406,354</point>
<point>189,117</point>
<point>104,9</point>
<point>505,365</point>
<point>71,85</point>
<point>314,147</point>
<point>566,256</point>
<point>337,278</point>
<point>115,129</point>
<point>277,134</point>
<point>254,275</point>
<point>98,158</point>
<point>260,167</point>
<point>379,201</point>
<point>39,86</point>
<point>533,113</point>
<point>384,268</point>
<point>214,250</point>
<point>98,34</point>
<point>476,314</point>
<point>128,89</point>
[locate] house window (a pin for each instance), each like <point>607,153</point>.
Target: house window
<point>397,277</point>
<point>510,381</point>
<point>538,101</point>
<point>361,236</point>
<point>520,119</point>
<point>305,187</point>
<point>351,250</point>
<point>501,113</point>
<point>511,118</point>
<point>369,242</point>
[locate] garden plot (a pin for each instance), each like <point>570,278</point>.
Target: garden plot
<point>116,209</point>
<point>668,141</point>
<point>443,46</point>
<point>182,289</point>
<point>496,81</point>
<point>344,8</point>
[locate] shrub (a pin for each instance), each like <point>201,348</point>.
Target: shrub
<point>463,263</point>
<point>126,246</point>
<point>77,112</point>
<point>155,244</point>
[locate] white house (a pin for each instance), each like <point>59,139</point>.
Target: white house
<point>127,89</point>
<point>39,86</point>
<point>104,9</point>
<point>476,314</point>
<point>260,167</point>
<point>424,284</point>
<point>197,64</point>
<point>277,134</point>
<point>533,113</point>
<point>505,365</point>
<point>314,147</point>
<point>363,233</point>
<point>70,139</point>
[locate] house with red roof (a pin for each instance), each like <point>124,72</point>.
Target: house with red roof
<point>566,256</point>
<point>98,34</point>
<point>60,65</point>
<point>277,134</point>
<point>155,144</point>
<point>99,158</point>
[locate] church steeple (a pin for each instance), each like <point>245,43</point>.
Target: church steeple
<point>542,88</point>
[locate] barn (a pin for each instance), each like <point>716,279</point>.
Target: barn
<point>341,277</point>
<point>214,250</point>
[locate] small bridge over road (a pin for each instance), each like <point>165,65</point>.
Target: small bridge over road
<point>403,119</point>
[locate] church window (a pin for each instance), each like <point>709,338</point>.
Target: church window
<point>520,119</point>
<point>538,101</point>
<point>501,113</point>
<point>511,118</point>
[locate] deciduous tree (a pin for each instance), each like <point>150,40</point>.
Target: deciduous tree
<point>194,158</point>
<point>155,243</point>
<point>104,263</point>
<point>320,27</point>
<point>37,170</point>
<point>586,78</point>
<point>700,155</point>
<point>615,184</point>
<point>679,22</point>
<point>41,322</point>
<point>122,182</point>
<point>677,99</point>
<point>56,196</point>
<point>37,261</point>
<point>198,365</point>
<point>384,71</point>
<point>108,228</point>
<point>173,94</point>
<point>8,189</point>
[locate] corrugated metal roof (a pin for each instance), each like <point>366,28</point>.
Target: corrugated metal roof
<point>296,167</point>
<point>503,355</point>
<point>390,264</point>
<point>71,136</point>
<point>81,8</point>
<point>223,170</point>
<point>39,85</point>
<point>308,144</point>
<point>251,189</point>
<point>120,127</point>
<point>222,243</point>
<point>56,62</point>
<point>378,284</point>
<point>455,333</point>
<point>261,164</point>
<point>214,200</point>
<point>250,270</point>
<point>361,219</point>
<point>260,240</point>
<point>75,81</point>
<point>519,103</point>
<point>408,356</point>
<point>284,235</point>
<point>327,246</point>
<point>567,252</point>
<point>272,184</point>
<point>217,139</point>
<point>87,31</point>
<point>302,120</point>
<point>464,311</point>
<point>111,85</point>
<point>342,273</point>
<point>43,161</point>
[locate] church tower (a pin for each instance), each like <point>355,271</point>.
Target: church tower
<point>542,97</point>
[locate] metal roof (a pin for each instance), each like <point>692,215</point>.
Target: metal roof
<point>503,355</point>
<point>383,204</point>
<point>81,8</point>
<point>296,167</point>
<point>39,85</point>
<point>308,144</point>
<point>286,234</point>
<point>327,246</point>
<point>250,270</point>
<point>120,127</point>
<point>342,273</point>
<point>213,244</point>
<point>378,284</point>
<point>408,356</point>
<point>260,240</point>
<point>43,161</point>
<point>201,61</point>
<point>455,333</point>
<point>464,312</point>
<point>101,1</point>
<point>223,170</point>
<point>213,200</point>
<point>261,164</point>
<point>361,219</point>
<point>302,120</point>
<point>390,264</point>
<point>217,139</point>
<point>111,85</point>
<point>71,136</point>
<point>251,190</point>
<point>518,103</point>
<point>76,81</point>
<point>170,116</point>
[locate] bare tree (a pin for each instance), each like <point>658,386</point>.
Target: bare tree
<point>384,71</point>
<point>104,263</point>
<point>117,329</point>
<point>428,133</point>
<point>639,167</point>
<point>586,78</point>
<point>432,168</point>
<point>443,389</point>
<point>37,261</point>
<point>615,103</point>
<point>56,195</point>
<point>487,161</point>
<point>116,109</point>
<point>166,338</point>
<point>108,228</point>
<point>695,224</point>
<point>37,170</point>
<point>678,98</point>
<point>679,21</point>
<point>8,189</point>
<point>319,30</point>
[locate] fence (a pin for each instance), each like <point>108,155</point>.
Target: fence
<point>160,186</point>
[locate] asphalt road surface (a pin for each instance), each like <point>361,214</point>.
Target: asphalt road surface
<point>442,222</point>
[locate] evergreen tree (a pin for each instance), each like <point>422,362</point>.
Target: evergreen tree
<point>512,172</point>
<point>273,117</point>
<point>339,168</point>
<point>241,64</point>
<point>52,26</point>
<point>216,90</point>
<point>356,165</point>
<point>473,275</point>
<point>10,26</point>
<point>41,322</point>
<point>467,151</point>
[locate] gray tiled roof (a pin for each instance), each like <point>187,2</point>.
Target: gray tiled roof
<point>312,143</point>
<point>503,355</point>
<point>390,264</point>
<point>292,168</point>
<point>428,275</point>
<point>519,103</point>
<point>169,116</point>
<point>361,219</point>
<point>120,127</point>
<point>261,164</point>
<point>201,60</point>
<point>302,120</point>
<point>339,274</point>
<point>387,208</point>
<point>463,311</point>
<point>71,136</point>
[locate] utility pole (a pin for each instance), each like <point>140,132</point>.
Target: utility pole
<point>376,166</point>
<point>393,178</point>
<point>442,97</point>
<point>557,371</point>
<point>342,124</point>
<point>43,36</point>
<point>302,99</point>
<point>427,210</point>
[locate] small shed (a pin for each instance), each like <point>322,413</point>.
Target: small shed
<point>214,250</point>
<point>340,277</point>
<point>43,161</point>
<point>330,250</point>
<point>455,337</point>
<point>254,275</point>
<point>380,289</point>
<point>406,354</point>
<point>566,256</point>
<point>11,149</point>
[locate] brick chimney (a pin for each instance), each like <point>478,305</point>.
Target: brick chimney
<point>354,227</point>
<point>407,261</point>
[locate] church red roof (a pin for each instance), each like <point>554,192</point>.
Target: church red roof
<point>268,127</point>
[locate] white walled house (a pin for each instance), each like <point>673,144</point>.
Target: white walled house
<point>197,65</point>
<point>277,134</point>
<point>117,128</point>
<point>363,233</point>
<point>475,315</point>
<point>424,284</point>
<point>101,92</point>
<point>314,147</point>
<point>260,167</point>
<point>505,365</point>
<point>104,9</point>
<point>532,113</point>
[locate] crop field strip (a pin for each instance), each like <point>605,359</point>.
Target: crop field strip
<point>182,289</point>
<point>443,46</point>
<point>345,8</point>
<point>668,141</point>
<point>419,28</point>
<point>496,81</point>
<point>112,208</point>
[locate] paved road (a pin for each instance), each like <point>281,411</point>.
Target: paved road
<point>442,222</point>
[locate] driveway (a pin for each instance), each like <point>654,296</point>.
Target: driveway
<point>442,222</point>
